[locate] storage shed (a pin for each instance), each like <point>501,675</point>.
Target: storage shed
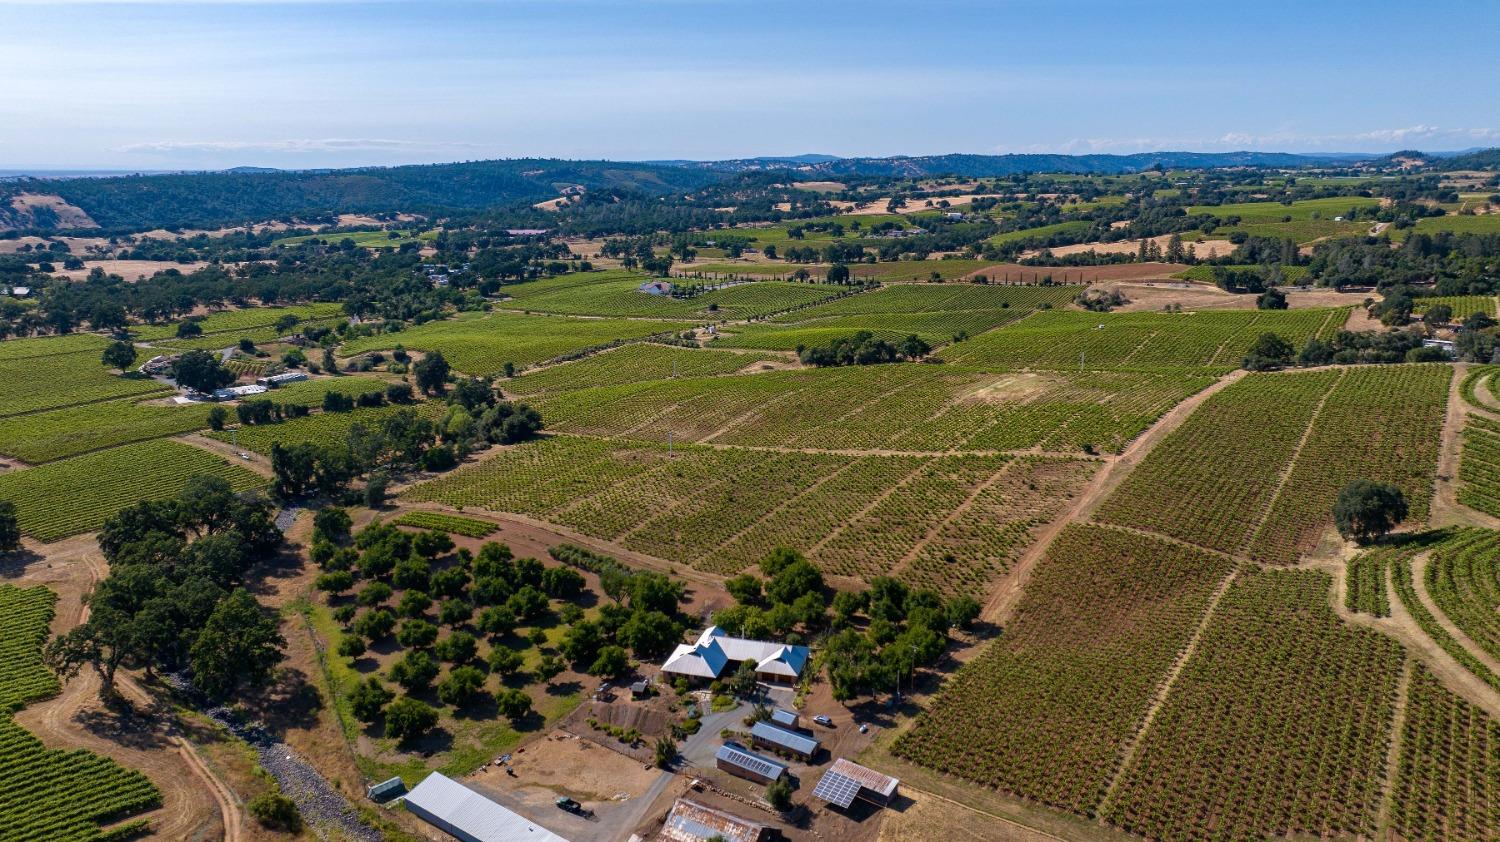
<point>461,812</point>
<point>786,718</point>
<point>734,759</point>
<point>772,736</point>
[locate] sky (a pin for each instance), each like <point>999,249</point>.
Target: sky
<point>205,84</point>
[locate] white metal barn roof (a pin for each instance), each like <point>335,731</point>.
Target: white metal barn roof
<point>462,812</point>
<point>784,738</point>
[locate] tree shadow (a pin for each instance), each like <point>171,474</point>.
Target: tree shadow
<point>291,701</point>
<point>564,688</point>
<point>13,565</point>
<point>123,724</point>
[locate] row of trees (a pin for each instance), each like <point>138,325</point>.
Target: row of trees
<point>864,348</point>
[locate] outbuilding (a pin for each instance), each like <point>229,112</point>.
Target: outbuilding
<point>461,812</point>
<point>736,760</point>
<point>769,735</point>
<point>694,821</point>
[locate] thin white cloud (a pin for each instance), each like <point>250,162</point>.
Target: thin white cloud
<point>1430,138</point>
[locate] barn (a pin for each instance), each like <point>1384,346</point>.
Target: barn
<point>734,759</point>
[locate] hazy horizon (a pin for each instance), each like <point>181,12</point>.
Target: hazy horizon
<point>211,84</point>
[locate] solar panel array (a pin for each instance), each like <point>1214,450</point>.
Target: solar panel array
<point>837,789</point>
<point>751,762</point>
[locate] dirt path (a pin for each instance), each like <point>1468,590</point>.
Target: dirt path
<point>1009,590</point>
<point>256,462</point>
<point>1402,627</point>
<point>140,738</point>
<point>530,536</point>
<point>1419,584</point>
<point>1393,752</point>
<point>229,810</point>
<point>952,517</point>
<point>1446,510</point>
<point>1291,464</point>
<point>1163,691</point>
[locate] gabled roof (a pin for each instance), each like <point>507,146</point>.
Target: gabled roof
<point>782,716</point>
<point>779,736</point>
<point>734,755</point>
<point>714,649</point>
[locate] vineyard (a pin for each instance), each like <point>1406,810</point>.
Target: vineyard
<point>933,328</point>
<point>950,522</point>
<point>634,363</point>
<point>910,299</point>
<point>466,526</point>
<point>1403,579</point>
<point>1463,306</point>
<point>51,795</point>
<point>1277,725</point>
<point>1448,775</point>
<point>894,407</point>
<point>1248,431</point>
<point>1045,711</point>
<point>1479,464</point>
<point>319,427</point>
<point>40,382</point>
<point>1379,423</point>
<point>50,346</point>
<point>1477,389</point>
<point>23,678</point>
<point>60,433</point>
<point>1070,340</point>
<point>245,321</point>
<point>76,495</point>
<point>617,294</point>
<point>483,344</point>
<point>1463,579</point>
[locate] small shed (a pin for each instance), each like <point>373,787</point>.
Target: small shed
<point>639,690</point>
<point>736,760</point>
<point>786,718</point>
<point>771,736</point>
<point>385,790</point>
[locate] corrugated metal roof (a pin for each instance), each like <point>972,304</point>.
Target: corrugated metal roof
<point>734,755</point>
<point>780,716</point>
<point>845,779</point>
<point>476,816</point>
<point>779,736</point>
<point>691,821</point>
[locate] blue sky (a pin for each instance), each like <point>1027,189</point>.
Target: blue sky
<point>215,83</point>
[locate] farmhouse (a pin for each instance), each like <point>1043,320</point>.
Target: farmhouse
<point>776,738</point>
<point>1446,344</point>
<point>459,811</point>
<point>734,759</point>
<point>846,780</point>
<point>656,288</point>
<point>692,821</point>
<point>715,653</point>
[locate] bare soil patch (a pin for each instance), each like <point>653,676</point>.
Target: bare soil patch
<point>1202,250</point>
<point>130,270</point>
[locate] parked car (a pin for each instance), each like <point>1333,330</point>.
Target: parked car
<point>566,803</point>
<point>823,720</point>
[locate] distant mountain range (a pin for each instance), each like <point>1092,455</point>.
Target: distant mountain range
<point>249,194</point>
<point>989,166</point>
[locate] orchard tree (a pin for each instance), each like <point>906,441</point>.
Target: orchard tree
<point>407,718</point>
<point>1366,510</point>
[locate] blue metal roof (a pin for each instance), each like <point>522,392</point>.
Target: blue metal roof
<point>734,755</point>
<point>779,736</point>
